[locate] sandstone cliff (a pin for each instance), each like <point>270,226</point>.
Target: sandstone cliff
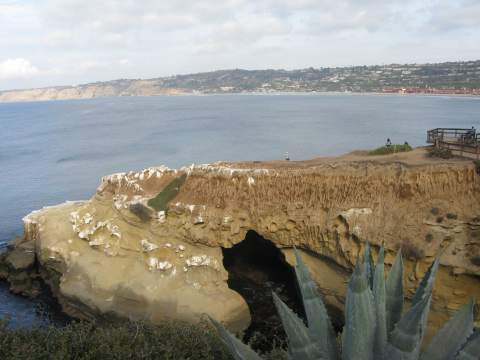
<point>116,255</point>
<point>93,90</point>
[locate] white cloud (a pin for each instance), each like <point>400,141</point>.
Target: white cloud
<point>12,9</point>
<point>58,38</point>
<point>17,68</point>
<point>454,16</point>
<point>243,30</point>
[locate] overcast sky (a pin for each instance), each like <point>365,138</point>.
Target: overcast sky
<point>58,42</point>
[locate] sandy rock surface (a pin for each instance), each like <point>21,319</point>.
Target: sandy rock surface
<point>102,258</point>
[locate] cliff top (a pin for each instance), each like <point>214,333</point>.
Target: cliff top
<point>416,157</point>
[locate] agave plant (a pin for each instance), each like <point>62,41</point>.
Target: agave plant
<point>375,326</point>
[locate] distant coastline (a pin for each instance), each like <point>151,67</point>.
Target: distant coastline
<point>443,79</point>
<point>278,93</point>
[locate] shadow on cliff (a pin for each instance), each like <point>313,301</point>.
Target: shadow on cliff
<point>257,267</point>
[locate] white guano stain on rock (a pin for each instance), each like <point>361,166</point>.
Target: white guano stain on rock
<point>152,263</point>
<point>96,242</point>
<point>164,265</point>
<point>201,260</point>
<point>227,219</point>
<point>198,220</point>
<point>147,245</point>
<point>87,218</point>
<point>161,217</point>
<point>155,264</point>
<point>347,214</point>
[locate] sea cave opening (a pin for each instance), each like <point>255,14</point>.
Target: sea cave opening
<point>257,267</point>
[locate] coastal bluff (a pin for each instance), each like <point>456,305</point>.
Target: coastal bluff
<point>122,254</point>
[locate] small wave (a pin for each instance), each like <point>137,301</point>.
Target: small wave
<point>68,159</point>
<point>86,157</point>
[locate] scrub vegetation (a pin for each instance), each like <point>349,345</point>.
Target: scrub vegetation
<point>125,340</point>
<point>391,149</point>
<point>160,202</point>
<point>438,152</point>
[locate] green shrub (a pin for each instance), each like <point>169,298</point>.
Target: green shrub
<point>375,326</point>
<point>437,152</point>
<point>82,340</point>
<point>127,340</point>
<point>160,202</point>
<point>394,148</point>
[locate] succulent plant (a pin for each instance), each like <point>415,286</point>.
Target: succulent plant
<point>375,328</point>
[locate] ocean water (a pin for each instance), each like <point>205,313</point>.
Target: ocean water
<point>55,151</point>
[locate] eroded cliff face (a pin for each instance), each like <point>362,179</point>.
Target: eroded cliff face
<point>116,255</point>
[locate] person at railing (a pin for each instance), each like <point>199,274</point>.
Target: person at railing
<point>470,135</point>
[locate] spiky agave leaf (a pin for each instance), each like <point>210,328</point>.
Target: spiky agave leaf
<point>369,266</point>
<point>239,350</point>
<point>406,338</point>
<point>426,285</point>
<point>300,345</point>
<point>471,349</point>
<point>450,338</point>
<point>394,293</point>
<point>320,328</point>
<point>360,321</point>
<point>379,297</point>
<point>425,288</point>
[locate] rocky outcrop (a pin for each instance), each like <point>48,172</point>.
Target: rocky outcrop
<point>116,254</point>
<point>17,266</point>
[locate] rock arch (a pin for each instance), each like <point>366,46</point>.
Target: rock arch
<point>256,267</point>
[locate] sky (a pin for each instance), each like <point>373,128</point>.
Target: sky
<point>68,42</point>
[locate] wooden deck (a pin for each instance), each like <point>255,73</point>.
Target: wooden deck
<point>463,141</point>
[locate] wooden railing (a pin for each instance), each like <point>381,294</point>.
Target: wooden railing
<point>455,139</point>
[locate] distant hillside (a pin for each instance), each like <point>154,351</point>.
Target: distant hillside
<point>442,78</point>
